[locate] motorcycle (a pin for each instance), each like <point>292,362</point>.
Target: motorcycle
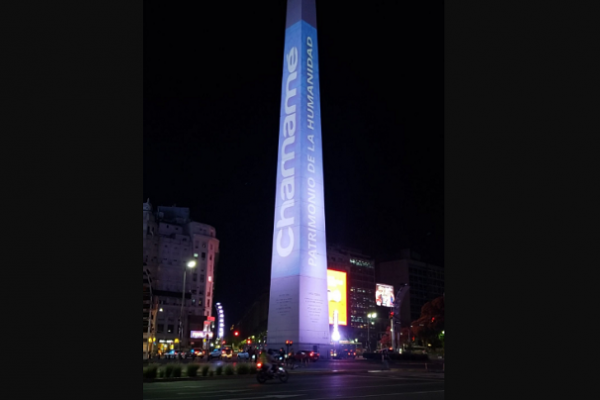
<point>265,373</point>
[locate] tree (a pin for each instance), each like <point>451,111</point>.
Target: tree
<point>431,324</point>
<point>406,336</point>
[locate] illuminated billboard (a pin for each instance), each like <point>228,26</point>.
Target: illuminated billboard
<point>338,296</point>
<point>385,295</point>
<point>201,335</point>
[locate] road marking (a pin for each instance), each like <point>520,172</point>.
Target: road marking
<point>220,391</point>
<point>234,391</point>
<point>271,397</point>
<point>411,377</point>
<point>380,395</point>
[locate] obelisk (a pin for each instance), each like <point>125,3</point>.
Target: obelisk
<point>299,304</point>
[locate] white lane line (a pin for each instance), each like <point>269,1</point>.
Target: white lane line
<point>380,395</point>
<point>220,391</point>
<point>270,397</point>
<point>395,378</point>
<point>411,378</point>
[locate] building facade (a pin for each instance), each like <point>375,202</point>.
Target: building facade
<point>361,288</point>
<point>171,241</point>
<point>146,311</point>
<point>426,282</point>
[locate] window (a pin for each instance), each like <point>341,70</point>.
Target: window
<point>160,328</point>
<point>203,256</point>
<point>170,329</point>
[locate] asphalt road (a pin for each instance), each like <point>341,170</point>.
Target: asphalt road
<point>379,385</point>
<point>339,365</point>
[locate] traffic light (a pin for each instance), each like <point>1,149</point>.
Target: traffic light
<point>249,341</point>
<point>391,315</point>
<point>236,333</point>
<point>433,319</point>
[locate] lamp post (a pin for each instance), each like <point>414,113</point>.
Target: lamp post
<point>370,316</point>
<point>190,265</point>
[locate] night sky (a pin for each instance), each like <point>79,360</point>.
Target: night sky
<point>212,88</point>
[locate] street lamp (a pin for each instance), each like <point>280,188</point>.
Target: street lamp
<point>370,316</point>
<point>190,265</point>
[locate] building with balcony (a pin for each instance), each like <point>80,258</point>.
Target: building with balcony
<point>171,241</point>
<point>147,310</point>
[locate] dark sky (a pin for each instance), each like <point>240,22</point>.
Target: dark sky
<point>212,88</point>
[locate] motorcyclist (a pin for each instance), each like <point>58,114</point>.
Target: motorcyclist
<point>268,360</point>
<point>274,359</point>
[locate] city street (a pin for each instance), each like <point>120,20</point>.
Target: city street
<point>333,365</point>
<point>305,387</point>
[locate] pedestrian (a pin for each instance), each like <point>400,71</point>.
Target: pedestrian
<point>385,358</point>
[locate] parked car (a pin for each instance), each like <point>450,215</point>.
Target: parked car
<point>345,354</point>
<point>301,356</point>
<point>215,354</point>
<point>198,352</point>
<point>227,354</point>
<point>173,354</point>
<point>243,355</point>
<point>314,356</point>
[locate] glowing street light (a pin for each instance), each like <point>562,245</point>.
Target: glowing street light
<point>370,316</point>
<point>335,336</point>
<point>191,264</point>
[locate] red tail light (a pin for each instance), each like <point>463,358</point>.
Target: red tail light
<point>259,365</point>
<point>312,354</point>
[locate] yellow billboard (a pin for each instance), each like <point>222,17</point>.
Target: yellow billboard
<point>337,293</point>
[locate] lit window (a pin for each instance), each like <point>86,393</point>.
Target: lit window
<point>210,278</point>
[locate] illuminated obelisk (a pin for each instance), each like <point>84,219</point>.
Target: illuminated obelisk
<point>299,305</point>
